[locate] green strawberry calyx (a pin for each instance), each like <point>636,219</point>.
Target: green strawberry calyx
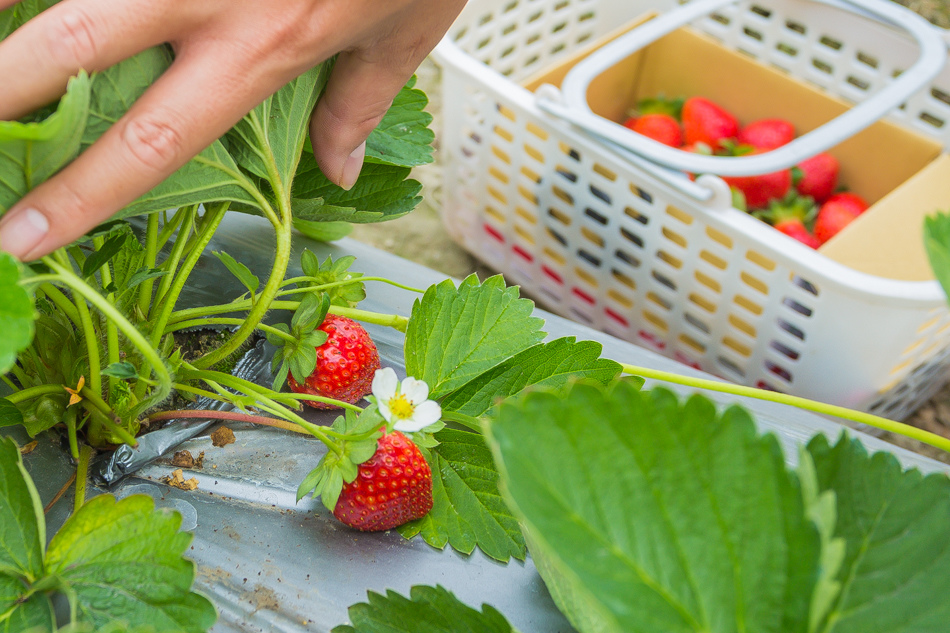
<point>297,344</point>
<point>357,436</point>
<point>334,277</point>
<point>793,206</point>
<point>659,105</point>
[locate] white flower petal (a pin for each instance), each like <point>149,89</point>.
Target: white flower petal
<point>385,383</point>
<point>428,412</point>
<point>410,425</point>
<point>416,391</point>
<point>383,406</point>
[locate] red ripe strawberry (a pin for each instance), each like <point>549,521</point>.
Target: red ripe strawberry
<point>788,216</point>
<point>836,213</point>
<point>760,190</point>
<point>706,122</point>
<point>346,363</point>
<point>819,176</point>
<point>660,127</point>
<point>795,228</point>
<point>392,487</point>
<point>766,134</point>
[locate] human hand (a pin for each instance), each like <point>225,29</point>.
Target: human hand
<point>240,51</point>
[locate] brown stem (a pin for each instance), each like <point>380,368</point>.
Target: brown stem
<point>60,494</point>
<point>226,415</point>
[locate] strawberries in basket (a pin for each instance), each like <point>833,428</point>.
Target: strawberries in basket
<point>800,202</point>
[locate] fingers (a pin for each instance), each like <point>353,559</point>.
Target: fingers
<point>356,98</point>
<point>168,125</point>
<point>73,35</point>
<point>364,82</point>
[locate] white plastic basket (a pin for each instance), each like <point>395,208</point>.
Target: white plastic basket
<point>619,246</point>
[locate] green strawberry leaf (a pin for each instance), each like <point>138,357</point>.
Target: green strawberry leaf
<point>273,135</point>
<point>142,275</point>
<point>937,245</point>
<point>403,137</point>
<point>9,414</point>
<point>209,177</point>
<point>35,614</point>
<point>8,22</point>
<point>22,525</point>
<point>323,231</point>
<point>22,540</point>
<point>895,576</point>
<point>28,9</point>
<point>382,192</point>
<point>240,271</point>
<point>456,334</point>
<point>30,153</point>
<point>103,255</point>
<point>123,371</point>
<point>45,412</point>
<point>123,561</point>
<point>645,514</point>
<point>550,365</point>
<point>116,88</point>
<point>821,507</point>
<point>428,609</point>
<point>16,312</point>
<point>116,626</point>
<point>468,509</point>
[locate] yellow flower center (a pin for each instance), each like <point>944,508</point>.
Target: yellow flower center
<point>400,407</point>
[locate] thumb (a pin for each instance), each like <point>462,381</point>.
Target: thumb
<point>356,98</point>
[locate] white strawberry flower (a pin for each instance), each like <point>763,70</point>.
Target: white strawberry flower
<point>406,406</point>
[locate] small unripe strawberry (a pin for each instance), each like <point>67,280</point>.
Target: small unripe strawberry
<point>392,487</point>
<point>346,363</point>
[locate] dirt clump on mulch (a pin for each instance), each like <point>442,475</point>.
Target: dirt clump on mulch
<point>222,436</point>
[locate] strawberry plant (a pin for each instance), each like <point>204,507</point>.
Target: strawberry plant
<point>132,547</point>
<point>647,513</point>
<point>98,317</point>
<point>89,346</point>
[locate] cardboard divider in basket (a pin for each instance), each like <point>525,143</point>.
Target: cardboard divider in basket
<point>903,174</point>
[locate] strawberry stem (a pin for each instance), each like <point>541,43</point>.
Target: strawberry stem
<point>796,401</point>
<point>394,321</point>
<point>345,282</point>
<point>208,414</point>
<point>460,418</point>
<point>183,325</point>
<point>82,474</point>
<point>330,401</point>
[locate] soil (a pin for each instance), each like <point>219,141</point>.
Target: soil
<point>184,459</point>
<point>222,436</point>
<point>421,237</point>
<point>177,480</point>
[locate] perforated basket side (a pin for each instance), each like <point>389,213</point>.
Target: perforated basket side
<point>599,241</point>
<point>849,58</point>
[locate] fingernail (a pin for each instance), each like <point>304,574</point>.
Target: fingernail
<point>352,167</point>
<point>22,231</point>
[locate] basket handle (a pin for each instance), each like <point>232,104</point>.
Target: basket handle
<point>572,105</point>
